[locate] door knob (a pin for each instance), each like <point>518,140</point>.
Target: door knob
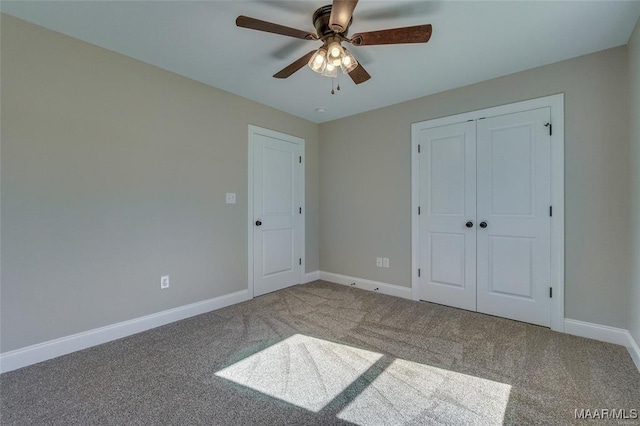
<point>469,224</point>
<point>483,224</point>
<point>258,222</point>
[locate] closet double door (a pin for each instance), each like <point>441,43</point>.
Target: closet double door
<point>485,225</point>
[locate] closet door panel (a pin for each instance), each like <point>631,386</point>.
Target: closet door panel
<point>447,203</point>
<point>513,184</point>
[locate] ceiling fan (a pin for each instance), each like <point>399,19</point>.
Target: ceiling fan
<point>332,23</point>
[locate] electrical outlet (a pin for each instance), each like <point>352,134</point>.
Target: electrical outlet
<point>231,198</point>
<point>164,282</point>
<point>385,262</point>
<point>379,262</point>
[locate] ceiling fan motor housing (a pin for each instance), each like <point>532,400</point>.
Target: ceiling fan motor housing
<point>321,22</point>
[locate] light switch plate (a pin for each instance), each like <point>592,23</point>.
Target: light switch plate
<point>231,197</point>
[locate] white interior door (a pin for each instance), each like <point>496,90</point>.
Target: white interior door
<point>277,211</point>
<point>447,215</point>
<point>514,223</point>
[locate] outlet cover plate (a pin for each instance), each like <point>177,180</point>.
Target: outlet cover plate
<point>164,282</point>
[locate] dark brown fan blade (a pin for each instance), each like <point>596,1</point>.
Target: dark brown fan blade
<point>270,27</point>
<point>341,12</point>
<point>290,69</point>
<point>417,34</point>
<point>359,74</point>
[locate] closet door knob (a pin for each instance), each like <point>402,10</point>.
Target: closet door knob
<point>469,224</point>
<point>258,222</point>
<point>483,224</point>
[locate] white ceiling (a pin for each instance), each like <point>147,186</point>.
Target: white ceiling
<point>472,41</point>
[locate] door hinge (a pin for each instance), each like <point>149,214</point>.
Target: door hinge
<point>300,261</point>
<point>550,291</point>
<point>551,211</point>
<point>301,159</point>
<point>550,126</point>
<point>419,210</point>
<point>418,271</point>
<point>418,148</point>
<point>300,210</point>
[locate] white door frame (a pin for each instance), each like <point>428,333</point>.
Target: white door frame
<point>556,104</point>
<point>255,130</point>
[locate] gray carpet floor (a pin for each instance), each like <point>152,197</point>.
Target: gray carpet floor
<point>326,354</point>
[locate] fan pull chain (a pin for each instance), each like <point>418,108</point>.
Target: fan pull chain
<point>333,80</point>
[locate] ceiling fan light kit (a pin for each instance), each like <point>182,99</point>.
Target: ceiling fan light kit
<point>332,24</point>
<point>326,61</point>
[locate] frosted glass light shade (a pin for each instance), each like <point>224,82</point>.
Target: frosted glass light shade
<point>348,62</point>
<point>318,61</point>
<point>330,70</point>
<point>335,53</point>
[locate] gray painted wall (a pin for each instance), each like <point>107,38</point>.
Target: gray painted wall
<point>634,121</point>
<point>114,173</point>
<point>365,180</point>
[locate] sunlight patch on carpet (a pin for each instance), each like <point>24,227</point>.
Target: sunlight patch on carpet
<point>411,393</point>
<point>302,370</point>
<point>366,387</point>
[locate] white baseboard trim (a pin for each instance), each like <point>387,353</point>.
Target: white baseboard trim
<point>379,287</point>
<point>54,348</point>
<point>604,333</point>
<point>599,332</point>
<point>634,350</point>
<point>311,277</point>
